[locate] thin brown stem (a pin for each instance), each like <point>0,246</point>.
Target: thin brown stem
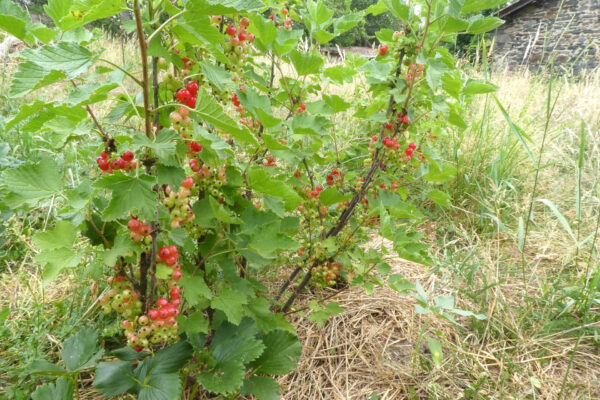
<point>103,134</point>
<point>349,211</point>
<point>312,184</point>
<point>98,231</point>
<point>145,78</point>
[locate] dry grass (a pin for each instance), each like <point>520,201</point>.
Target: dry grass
<point>371,348</point>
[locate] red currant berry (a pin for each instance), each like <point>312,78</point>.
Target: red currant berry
<point>102,164</point>
<point>115,164</point>
<point>162,302</point>
<point>193,87</point>
<point>230,30</point>
<point>383,49</point>
<point>177,275</point>
<point>284,11</point>
<point>104,155</point>
<point>183,95</point>
<point>145,230</point>
<point>171,261</point>
<point>188,182</point>
<point>164,252</point>
<point>174,293</point>
<point>244,22</point>
<point>153,314</point>
<point>297,174</point>
<point>128,156</point>
<point>174,250</point>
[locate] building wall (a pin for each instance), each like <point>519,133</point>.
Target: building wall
<point>534,34</point>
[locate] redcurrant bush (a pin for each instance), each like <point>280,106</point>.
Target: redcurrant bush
<point>228,164</point>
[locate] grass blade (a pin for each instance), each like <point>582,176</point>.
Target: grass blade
<point>561,218</point>
<point>516,130</point>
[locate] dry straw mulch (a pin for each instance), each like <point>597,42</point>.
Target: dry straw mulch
<point>371,349</point>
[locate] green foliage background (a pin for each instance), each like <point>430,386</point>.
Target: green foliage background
<point>362,34</point>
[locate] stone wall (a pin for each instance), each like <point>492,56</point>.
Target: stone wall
<point>538,32</point>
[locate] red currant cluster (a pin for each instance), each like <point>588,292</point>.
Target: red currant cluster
<point>169,256</point>
<point>326,274</point>
<point>139,230</point>
<point>158,326</point>
<point>310,209</point>
<point>193,148</point>
<point>301,108</point>
<point>270,162</point>
<point>188,64</point>
<point>408,153</point>
<point>121,298</point>
<point>187,95</point>
<point>335,177</point>
<point>181,121</point>
<point>403,118</point>
<point>343,205</point>
<point>287,23</point>
<point>314,193</point>
<point>239,39</point>
<point>209,179</point>
<point>415,72</point>
<point>238,105</point>
<point>179,203</point>
<point>125,162</point>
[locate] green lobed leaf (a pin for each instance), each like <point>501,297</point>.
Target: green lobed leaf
<point>440,198</point>
<point>70,58</point>
<point>14,20</point>
<point>122,247</point>
<point>480,5</point>
<point>168,360</point>
<point>281,355</point>
<point>81,349</point>
<point>264,31</point>
<point>224,378</point>
<point>130,195</point>
<point>30,183</point>
<point>240,343</point>
<point>161,387</point>
<point>261,182</point>
<point>71,14</point>
<point>482,25</point>
<point>63,235</point>
<point>62,390</point>
<point>56,260</point>
<point>114,378</point>
<point>44,367</point>
<point>231,303</point>
<point>194,323</point>
<point>208,110</point>
<point>306,63</point>
<point>473,86</point>
<point>399,8</point>
<point>195,289</point>
<point>263,387</point>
